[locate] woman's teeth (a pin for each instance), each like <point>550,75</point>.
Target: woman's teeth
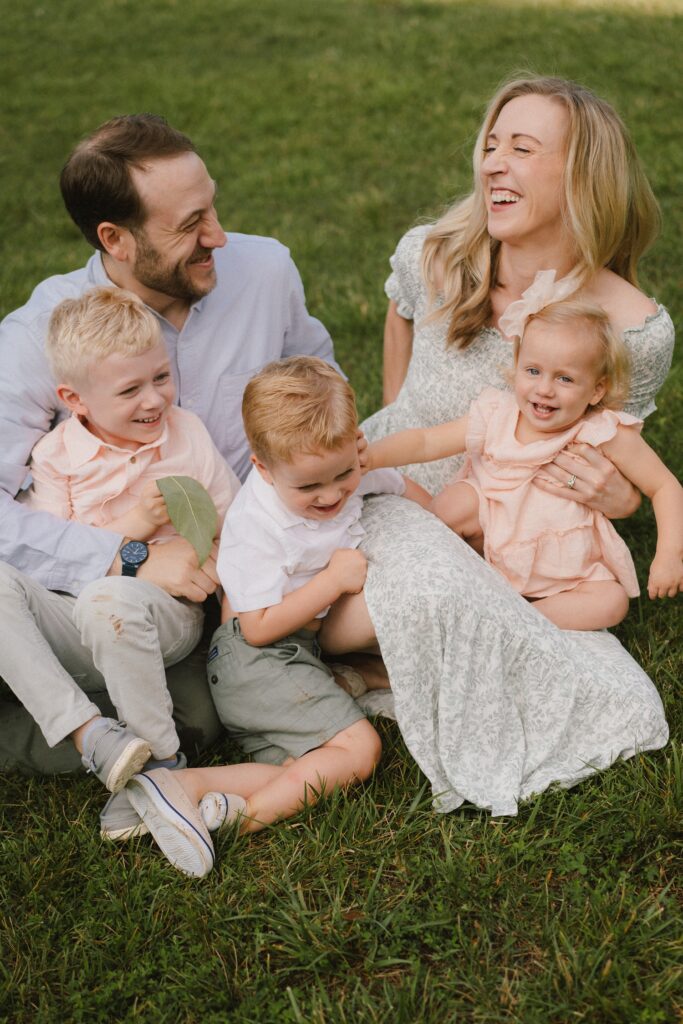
<point>502,196</point>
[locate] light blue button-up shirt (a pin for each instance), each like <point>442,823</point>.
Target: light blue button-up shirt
<point>256,313</point>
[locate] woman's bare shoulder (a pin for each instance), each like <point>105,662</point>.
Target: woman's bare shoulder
<point>626,305</point>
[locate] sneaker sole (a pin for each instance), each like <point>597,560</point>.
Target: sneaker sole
<point>120,835</point>
<point>174,823</point>
<point>129,762</point>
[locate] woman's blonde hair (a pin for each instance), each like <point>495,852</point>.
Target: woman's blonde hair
<point>608,207</point>
<point>102,321</point>
<point>612,359</point>
<point>296,405</point>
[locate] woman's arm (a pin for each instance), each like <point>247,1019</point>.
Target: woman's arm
<point>398,348</point>
<point>633,456</point>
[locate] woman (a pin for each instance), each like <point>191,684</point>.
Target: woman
<point>494,702</point>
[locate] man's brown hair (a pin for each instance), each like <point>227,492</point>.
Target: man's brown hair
<point>96,182</point>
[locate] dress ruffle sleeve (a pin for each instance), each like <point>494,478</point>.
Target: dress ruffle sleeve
<point>478,417</point>
<point>650,348</point>
<point>602,426</point>
<point>404,284</point>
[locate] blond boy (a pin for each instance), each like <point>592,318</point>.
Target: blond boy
<point>289,550</point>
<point>99,467</point>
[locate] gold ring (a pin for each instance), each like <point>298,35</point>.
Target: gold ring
<point>572,480</point>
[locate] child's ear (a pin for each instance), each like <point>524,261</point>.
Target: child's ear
<point>599,393</point>
<point>263,470</point>
<point>71,399</point>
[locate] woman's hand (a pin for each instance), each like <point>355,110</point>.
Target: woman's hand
<point>582,473</point>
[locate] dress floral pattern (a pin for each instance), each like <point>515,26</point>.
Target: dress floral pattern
<point>494,702</point>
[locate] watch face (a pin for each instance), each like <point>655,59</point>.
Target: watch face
<point>134,552</point>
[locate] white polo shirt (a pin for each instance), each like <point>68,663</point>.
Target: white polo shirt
<point>267,551</point>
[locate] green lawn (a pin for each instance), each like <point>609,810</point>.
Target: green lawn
<point>333,126</point>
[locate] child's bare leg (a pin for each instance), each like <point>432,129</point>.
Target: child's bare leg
<point>348,627</point>
<point>243,779</point>
<point>273,792</point>
<point>458,507</point>
<point>588,606</point>
<point>347,632</point>
<point>370,666</point>
<point>348,757</point>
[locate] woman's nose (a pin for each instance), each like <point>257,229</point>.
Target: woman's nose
<point>495,161</point>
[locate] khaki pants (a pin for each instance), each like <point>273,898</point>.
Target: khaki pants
<point>66,659</point>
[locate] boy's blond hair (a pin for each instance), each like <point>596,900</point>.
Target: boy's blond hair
<point>100,322</point>
<point>613,359</point>
<point>300,404</point>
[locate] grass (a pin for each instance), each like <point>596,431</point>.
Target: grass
<point>333,126</point>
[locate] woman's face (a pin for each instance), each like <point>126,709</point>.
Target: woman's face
<point>522,171</point>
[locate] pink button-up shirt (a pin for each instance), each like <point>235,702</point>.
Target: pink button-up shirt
<point>78,476</point>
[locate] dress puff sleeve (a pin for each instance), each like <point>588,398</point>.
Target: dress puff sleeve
<point>405,281</point>
<point>600,427</point>
<point>650,348</point>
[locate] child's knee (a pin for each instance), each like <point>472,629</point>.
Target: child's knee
<point>620,604</point>
<point>366,749</point>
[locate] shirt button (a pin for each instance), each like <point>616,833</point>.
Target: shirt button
<point>132,458</point>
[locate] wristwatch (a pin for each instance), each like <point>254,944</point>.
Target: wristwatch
<point>133,554</point>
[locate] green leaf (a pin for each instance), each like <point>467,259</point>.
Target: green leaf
<point>191,510</point>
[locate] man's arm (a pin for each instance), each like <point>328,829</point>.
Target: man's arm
<point>59,554</point>
<point>305,336</point>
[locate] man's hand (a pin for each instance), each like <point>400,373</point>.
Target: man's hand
<point>348,567</point>
<point>173,567</point>
<point>582,473</point>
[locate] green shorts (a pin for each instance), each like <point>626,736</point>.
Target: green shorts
<point>277,701</point>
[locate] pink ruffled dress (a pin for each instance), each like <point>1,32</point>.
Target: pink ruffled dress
<point>542,543</point>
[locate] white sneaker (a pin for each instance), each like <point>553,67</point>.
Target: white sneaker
<point>219,809</point>
<point>175,823</point>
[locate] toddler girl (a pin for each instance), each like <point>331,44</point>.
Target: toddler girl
<point>570,377</point>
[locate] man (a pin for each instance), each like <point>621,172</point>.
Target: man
<point>143,198</point>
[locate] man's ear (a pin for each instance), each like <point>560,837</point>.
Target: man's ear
<point>263,470</point>
<point>71,399</point>
<point>116,241</point>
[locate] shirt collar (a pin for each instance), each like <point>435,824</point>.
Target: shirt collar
<point>82,446</point>
<point>100,277</point>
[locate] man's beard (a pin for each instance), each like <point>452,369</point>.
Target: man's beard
<point>151,271</point>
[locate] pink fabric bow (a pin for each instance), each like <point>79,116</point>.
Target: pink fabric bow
<point>541,293</point>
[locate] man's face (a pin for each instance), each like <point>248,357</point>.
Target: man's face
<point>173,249</point>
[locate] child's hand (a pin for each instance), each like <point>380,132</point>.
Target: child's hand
<point>666,575</point>
<point>152,505</point>
<point>414,492</point>
<point>362,446</point>
<point>349,567</point>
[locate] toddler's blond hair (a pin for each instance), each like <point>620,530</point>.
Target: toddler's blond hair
<point>100,322</point>
<point>296,405</point>
<point>613,363</point>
